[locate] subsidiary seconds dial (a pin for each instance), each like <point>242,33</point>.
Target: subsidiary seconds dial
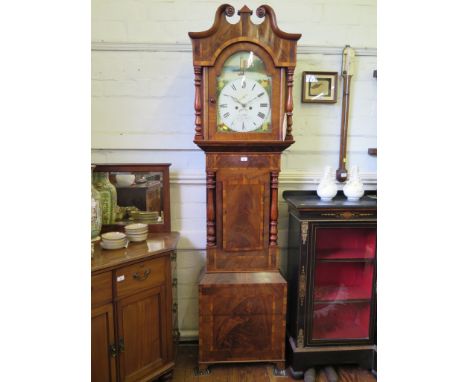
<point>244,105</point>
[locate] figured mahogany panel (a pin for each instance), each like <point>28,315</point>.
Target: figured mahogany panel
<point>256,300</point>
<point>242,230</point>
<point>242,322</point>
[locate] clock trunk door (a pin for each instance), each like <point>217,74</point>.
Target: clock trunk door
<point>242,212</point>
<point>245,95</point>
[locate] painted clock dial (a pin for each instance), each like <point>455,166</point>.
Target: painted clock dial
<point>244,91</point>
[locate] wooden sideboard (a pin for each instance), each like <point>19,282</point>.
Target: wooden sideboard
<point>133,316</point>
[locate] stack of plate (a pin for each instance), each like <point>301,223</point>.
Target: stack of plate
<point>113,240</point>
<point>144,215</point>
<point>137,231</point>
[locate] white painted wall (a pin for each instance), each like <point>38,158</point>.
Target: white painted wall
<point>142,104</point>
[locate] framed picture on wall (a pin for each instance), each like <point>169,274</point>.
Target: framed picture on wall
<point>319,87</point>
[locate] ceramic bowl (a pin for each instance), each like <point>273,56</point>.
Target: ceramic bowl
<point>113,246</point>
<point>110,236</point>
<point>136,227</point>
<point>138,237</point>
<point>125,180</point>
<point>115,241</point>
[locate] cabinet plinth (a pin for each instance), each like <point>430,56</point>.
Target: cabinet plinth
<point>331,272</point>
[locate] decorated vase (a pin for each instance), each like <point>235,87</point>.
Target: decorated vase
<point>327,188</point>
<point>354,188</point>
<point>108,195</point>
<point>96,212</point>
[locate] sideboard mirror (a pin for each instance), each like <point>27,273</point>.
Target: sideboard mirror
<point>134,193</point>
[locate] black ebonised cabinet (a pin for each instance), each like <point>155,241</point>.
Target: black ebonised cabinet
<point>331,272</point>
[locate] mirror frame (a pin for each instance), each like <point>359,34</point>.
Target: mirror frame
<point>143,167</point>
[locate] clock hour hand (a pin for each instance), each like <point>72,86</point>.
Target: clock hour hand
<point>236,100</point>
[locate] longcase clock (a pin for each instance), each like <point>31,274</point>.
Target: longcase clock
<point>243,121</point>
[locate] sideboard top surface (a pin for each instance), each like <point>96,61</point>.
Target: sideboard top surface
<point>309,200</point>
<point>156,243</point>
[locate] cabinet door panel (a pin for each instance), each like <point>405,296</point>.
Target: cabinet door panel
<point>102,337</point>
<point>144,325</point>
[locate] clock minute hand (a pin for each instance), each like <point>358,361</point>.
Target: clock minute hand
<point>254,98</point>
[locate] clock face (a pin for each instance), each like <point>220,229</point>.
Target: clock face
<point>244,94</point>
<point>244,105</point>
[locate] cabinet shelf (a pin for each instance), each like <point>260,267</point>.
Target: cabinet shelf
<point>349,260</point>
<point>341,293</point>
<point>344,254</point>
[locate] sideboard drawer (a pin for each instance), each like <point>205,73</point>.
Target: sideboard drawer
<point>137,277</point>
<point>101,289</point>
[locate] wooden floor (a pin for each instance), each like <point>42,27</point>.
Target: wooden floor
<point>186,362</point>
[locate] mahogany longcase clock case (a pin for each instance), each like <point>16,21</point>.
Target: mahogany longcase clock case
<point>243,121</point>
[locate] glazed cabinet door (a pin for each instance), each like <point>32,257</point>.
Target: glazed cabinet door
<point>145,343</point>
<point>103,346</point>
<point>343,273</point>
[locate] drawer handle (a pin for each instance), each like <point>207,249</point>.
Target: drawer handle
<point>143,277</point>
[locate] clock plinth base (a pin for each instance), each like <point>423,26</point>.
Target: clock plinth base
<point>242,318</point>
